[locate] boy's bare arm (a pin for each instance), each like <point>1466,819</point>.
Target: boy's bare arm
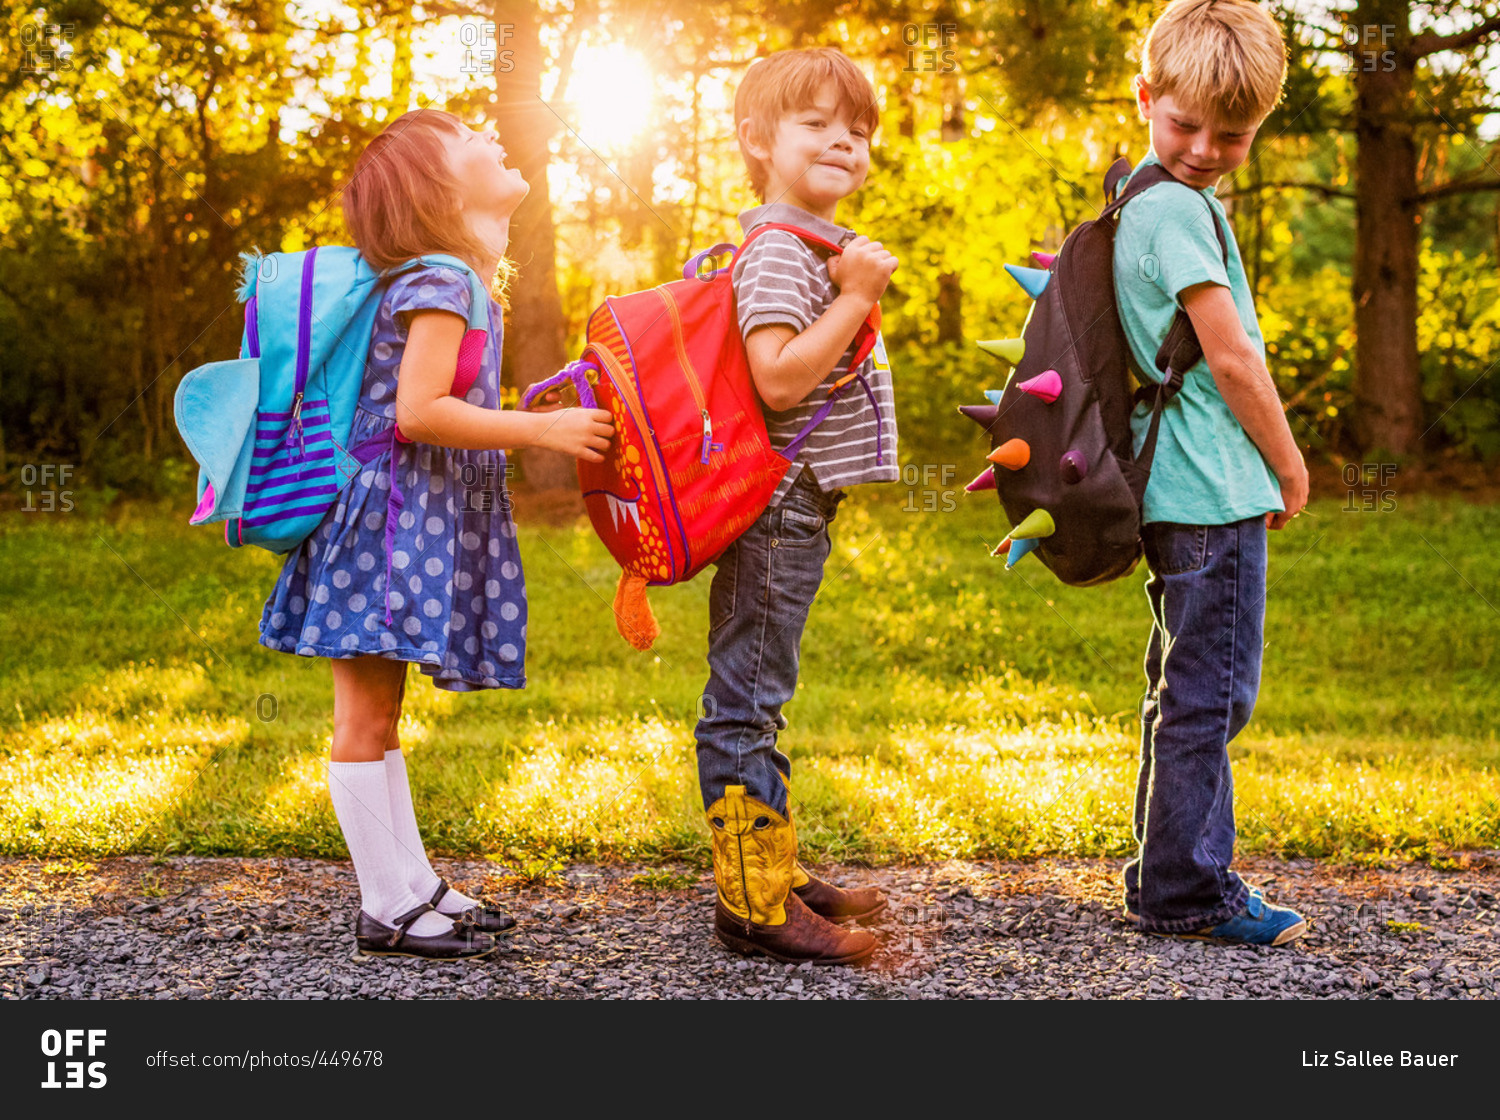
<point>786,365</point>
<point>1246,386</point>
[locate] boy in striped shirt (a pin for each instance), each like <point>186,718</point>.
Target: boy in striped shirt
<point>804,120</point>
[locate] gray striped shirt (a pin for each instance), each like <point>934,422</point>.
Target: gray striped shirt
<point>781,280</point>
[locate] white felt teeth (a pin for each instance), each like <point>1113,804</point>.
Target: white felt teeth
<point>619,510</point>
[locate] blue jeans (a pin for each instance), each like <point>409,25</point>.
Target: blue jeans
<point>1207,591</point>
<point>764,586</point>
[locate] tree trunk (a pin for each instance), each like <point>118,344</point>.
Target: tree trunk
<point>950,307</point>
<point>1388,376</point>
<point>534,344</point>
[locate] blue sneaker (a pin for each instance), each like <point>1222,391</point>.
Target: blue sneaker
<point>1133,916</point>
<point>1259,923</point>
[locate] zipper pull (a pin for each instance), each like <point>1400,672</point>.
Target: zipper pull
<point>294,427</point>
<point>708,438</point>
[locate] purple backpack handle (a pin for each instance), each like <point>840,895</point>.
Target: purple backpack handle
<point>690,269</point>
<point>574,372</point>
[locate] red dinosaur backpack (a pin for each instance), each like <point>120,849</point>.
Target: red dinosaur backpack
<point>690,466</point>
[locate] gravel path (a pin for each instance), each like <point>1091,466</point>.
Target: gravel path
<point>195,928</point>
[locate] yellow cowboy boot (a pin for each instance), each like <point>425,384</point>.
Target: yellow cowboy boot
<point>862,904</point>
<point>756,911</point>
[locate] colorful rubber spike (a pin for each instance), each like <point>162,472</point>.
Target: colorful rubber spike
<point>1010,349</point>
<point>1045,386</point>
<point>1034,280</point>
<point>1013,454</point>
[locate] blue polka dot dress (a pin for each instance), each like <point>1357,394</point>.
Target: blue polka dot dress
<point>456,598</point>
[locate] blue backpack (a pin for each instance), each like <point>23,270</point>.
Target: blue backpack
<point>270,430</point>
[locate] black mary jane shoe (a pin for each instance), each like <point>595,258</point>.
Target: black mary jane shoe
<point>376,939</point>
<point>486,919</point>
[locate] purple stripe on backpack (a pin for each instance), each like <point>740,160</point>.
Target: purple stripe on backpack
<point>318,408</point>
<point>304,322</point>
<point>281,514</point>
<point>270,504</point>
<point>274,438</point>
<point>252,328</point>
<point>289,467</point>
<point>282,490</point>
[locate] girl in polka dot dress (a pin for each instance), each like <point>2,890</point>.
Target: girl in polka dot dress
<point>441,585</point>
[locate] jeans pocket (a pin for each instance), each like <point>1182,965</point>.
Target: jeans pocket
<point>800,528</point>
<point>1177,549</point>
<point>721,592</point>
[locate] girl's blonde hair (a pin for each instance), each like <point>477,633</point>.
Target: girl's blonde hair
<point>402,199</point>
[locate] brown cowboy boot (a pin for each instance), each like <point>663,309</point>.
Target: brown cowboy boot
<point>862,904</point>
<point>756,911</point>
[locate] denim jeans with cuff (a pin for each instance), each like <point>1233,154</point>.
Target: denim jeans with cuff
<point>1207,591</point>
<point>762,590</point>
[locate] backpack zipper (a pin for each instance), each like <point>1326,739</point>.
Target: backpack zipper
<point>626,390</point>
<point>692,376</point>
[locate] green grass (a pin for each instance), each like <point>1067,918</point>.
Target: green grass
<point>947,708</point>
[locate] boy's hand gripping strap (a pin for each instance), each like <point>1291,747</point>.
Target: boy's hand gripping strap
<point>863,342</point>
<point>864,338</point>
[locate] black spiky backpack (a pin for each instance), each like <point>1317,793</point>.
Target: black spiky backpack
<point>1061,448</point>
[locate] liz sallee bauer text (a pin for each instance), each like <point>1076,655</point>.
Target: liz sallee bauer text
<point>1369,1059</point>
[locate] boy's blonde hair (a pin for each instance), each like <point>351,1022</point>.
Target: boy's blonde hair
<point>787,81</point>
<point>401,199</point>
<point>1226,58</point>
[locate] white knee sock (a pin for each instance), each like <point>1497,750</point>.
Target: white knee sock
<point>420,876</point>
<point>362,805</point>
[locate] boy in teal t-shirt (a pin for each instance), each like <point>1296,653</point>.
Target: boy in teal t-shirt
<point>1226,469</point>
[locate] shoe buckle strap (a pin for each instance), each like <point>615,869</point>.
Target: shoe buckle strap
<point>409,919</point>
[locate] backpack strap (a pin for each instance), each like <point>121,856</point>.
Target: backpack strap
<point>864,338</point>
<point>476,335</point>
<point>1117,171</point>
<point>1180,350</point>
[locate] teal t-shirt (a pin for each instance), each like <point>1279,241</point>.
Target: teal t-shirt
<point>1207,471</point>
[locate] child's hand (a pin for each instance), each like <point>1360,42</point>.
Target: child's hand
<point>864,269</point>
<point>550,401</point>
<point>583,433</point>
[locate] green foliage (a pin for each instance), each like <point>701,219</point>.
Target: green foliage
<point>180,134</point>
<point>1458,334</point>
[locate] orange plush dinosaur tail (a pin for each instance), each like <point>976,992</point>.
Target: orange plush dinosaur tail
<point>633,617</point>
